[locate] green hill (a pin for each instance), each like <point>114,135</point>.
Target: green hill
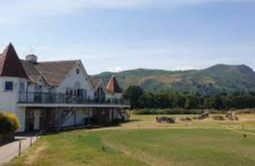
<point>218,78</point>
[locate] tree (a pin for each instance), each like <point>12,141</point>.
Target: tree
<point>147,100</point>
<point>179,101</point>
<point>133,93</point>
<point>191,102</point>
<point>218,103</point>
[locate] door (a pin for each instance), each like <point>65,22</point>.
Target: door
<point>80,95</point>
<point>22,92</point>
<point>29,120</point>
<point>38,93</point>
<point>44,119</point>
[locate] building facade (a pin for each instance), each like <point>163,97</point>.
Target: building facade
<point>53,95</point>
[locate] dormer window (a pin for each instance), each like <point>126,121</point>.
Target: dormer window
<point>78,71</point>
<point>8,86</point>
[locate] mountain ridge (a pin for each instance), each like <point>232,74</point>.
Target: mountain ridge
<point>215,79</point>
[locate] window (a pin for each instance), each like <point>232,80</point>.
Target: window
<point>22,87</point>
<point>84,93</point>
<point>38,88</point>
<point>77,71</point>
<point>8,86</point>
<point>29,114</point>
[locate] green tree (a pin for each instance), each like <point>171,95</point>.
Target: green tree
<point>147,100</point>
<point>178,101</point>
<point>191,102</point>
<point>218,103</point>
<point>133,93</point>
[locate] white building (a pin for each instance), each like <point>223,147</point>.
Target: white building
<point>46,95</point>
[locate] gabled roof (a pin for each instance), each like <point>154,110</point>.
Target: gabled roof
<point>97,82</point>
<point>31,70</point>
<point>10,65</point>
<point>113,86</point>
<point>53,72</point>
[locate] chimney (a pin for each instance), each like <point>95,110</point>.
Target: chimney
<point>31,58</point>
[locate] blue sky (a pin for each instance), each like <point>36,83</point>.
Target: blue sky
<point>117,35</point>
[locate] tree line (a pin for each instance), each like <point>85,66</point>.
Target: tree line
<point>224,101</point>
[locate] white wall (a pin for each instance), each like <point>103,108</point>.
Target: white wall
<point>41,82</point>
<point>77,117</point>
<point>113,97</point>
<point>71,79</point>
<point>9,99</point>
<point>31,89</point>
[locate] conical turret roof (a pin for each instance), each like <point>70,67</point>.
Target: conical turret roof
<point>113,86</point>
<point>10,65</point>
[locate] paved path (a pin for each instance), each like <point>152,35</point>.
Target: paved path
<point>11,150</point>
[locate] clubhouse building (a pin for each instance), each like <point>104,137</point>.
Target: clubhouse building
<point>56,94</point>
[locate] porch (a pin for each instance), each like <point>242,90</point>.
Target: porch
<point>58,118</point>
<point>57,110</point>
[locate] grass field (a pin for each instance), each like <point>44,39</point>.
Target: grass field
<point>144,142</point>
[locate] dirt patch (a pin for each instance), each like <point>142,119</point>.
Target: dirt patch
<point>32,157</point>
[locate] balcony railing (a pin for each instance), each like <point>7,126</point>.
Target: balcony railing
<point>53,98</point>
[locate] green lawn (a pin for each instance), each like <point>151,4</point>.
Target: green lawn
<point>216,143</point>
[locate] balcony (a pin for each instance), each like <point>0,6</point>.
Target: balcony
<point>60,99</point>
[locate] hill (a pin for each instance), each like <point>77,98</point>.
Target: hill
<point>215,79</point>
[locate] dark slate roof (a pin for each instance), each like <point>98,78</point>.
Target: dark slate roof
<point>113,86</point>
<point>10,65</point>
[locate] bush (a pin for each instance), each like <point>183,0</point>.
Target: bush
<point>218,117</point>
<point>204,115</point>
<point>9,123</point>
<point>165,119</point>
<point>185,119</point>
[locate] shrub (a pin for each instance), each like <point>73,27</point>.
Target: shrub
<point>185,119</point>
<point>165,119</point>
<point>218,117</point>
<point>8,123</point>
<point>195,117</point>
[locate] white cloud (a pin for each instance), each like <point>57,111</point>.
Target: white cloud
<point>115,69</point>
